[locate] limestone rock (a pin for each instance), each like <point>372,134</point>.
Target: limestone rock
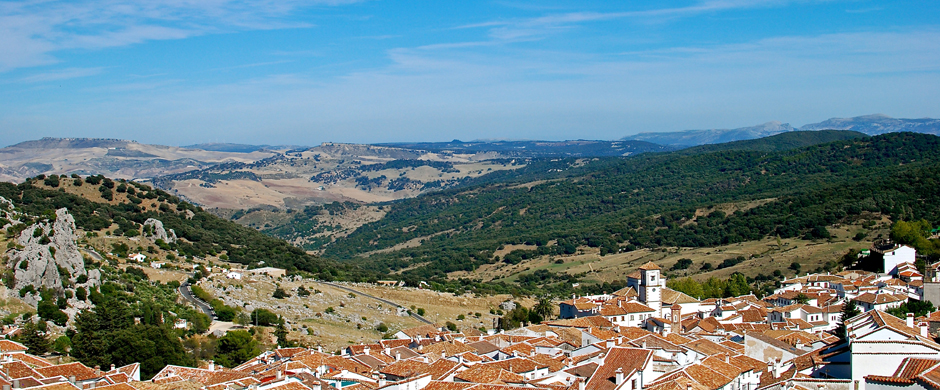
<point>47,248</point>
<point>153,228</point>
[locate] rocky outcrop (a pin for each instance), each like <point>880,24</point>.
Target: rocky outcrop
<point>48,256</point>
<point>153,229</point>
<point>7,212</point>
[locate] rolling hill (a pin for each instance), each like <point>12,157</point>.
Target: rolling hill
<point>554,208</point>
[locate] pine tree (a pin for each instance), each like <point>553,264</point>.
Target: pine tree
<point>849,310</point>
<point>35,340</point>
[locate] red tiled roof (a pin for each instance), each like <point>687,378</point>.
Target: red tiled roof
<point>627,360</point>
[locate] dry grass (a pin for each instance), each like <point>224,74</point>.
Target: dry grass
<point>764,256</point>
<point>355,316</point>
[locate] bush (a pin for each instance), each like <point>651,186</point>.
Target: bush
<point>681,265</point>
<point>382,328</point>
<point>279,293</point>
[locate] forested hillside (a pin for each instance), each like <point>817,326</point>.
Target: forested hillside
<point>780,142</point>
<point>620,204</point>
<point>129,205</point>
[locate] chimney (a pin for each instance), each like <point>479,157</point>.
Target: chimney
<point>397,356</point>
<point>443,355</point>
<point>316,386</point>
<point>778,368</point>
<point>382,381</point>
<point>424,358</point>
<point>728,358</point>
<point>112,367</point>
<point>924,329</point>
<point>72,379</point>
<point>581,384</point>
<point>688,386</point>
<point>643,345</point>
<point>619,378</point>
<point>279,375</point>
<point>770,368</point>
<point>319,349</point>
<point>366,350</point>
<point>910,320</point>
<point>6,387</point>
<point>610,343</point>
<point>799,345</point>
<point>388,351</point>
<point>211,365</point>
<point>16,383</point>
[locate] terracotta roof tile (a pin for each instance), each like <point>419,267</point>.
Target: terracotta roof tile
<point>627,360</point>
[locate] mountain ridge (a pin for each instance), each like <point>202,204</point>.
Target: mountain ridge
<point>873,124</point>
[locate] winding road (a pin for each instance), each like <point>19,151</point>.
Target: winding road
<point>187,294</point>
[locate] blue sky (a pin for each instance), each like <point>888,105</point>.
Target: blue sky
<point>179,72</point>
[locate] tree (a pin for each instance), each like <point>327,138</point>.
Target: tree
<point>235,348</point>
<point>264,317</point>
<point>801,299</point>
<point>795,266</point>
<point>154,347</point>
<point>34,339</point>
<point>918,308</point>
<point>681,265</point>
<point>242,319</point>
<point>62,344</point>
<point>737,286</point>
<point>107,335</point>
<point>279,293</point>
<point>849,310</point>
<point>280,331</point>
<point>544,308</point>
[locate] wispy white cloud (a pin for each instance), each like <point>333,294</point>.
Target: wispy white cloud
<point>515,29</point>
<point>62,74</point>
<point>33,31</point>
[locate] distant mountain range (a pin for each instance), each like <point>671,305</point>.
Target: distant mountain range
<point>868,124</point>
<point>525,148</point>
<point>240,148</point>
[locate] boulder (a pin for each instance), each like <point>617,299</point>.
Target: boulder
<point>157,232</point>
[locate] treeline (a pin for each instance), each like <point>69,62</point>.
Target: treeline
<point>650,201</point>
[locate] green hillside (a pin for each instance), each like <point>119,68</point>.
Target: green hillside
<point>780,142</point>
<point>201,233</point>
<point>650,201</point>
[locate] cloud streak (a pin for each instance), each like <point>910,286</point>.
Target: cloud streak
<point>33,31</point>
